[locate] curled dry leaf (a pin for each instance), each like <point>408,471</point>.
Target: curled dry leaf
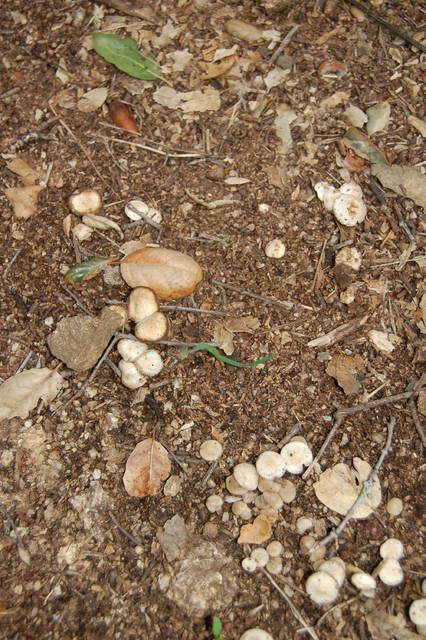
<point>346,370</point>
<point>21,393</point>
<point>223,338</point>
<point>24,200</point>
<point>170,274</point>
<point>25,171</point>
<point>101,222</point>
<point>244,31</point>
<point>219,68</point>
<point>256,532</point>
<point>146,468</point>
<point>405,181</point>
<point>191,101</point>
<point>361,144</point>
<point>339,487</point>
<point>92,100</point>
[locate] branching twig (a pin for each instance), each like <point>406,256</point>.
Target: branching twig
<point>284,43</point>
<point>138,145</point>
<point>207,312</point>
<point>364,406</point>
<point>128,535</point>
<point>144,218</point>
<point>334,535</point>
<point>337,422</point>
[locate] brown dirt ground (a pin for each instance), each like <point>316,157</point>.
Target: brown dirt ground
<point>111,590</point>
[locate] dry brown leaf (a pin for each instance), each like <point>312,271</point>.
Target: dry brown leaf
<point>21,393</point>
<point>277,175</point>
<point>147,467</point>
<point>92,100</point>
<point>418,124</point>
<point>246,324</point>
<point>169,273</point>
<point>384,626</point>
<point>191,101</point>
<point>25,171</point>
<point>101,222</point>
<point>244,31</point>
<point>346,370</point>
<point>24,200</point>
<point>335,99</point>
<point>405,181</point>
<point>216,69</point>
<point>354,162</point>
<point>257,532</point>
<point>223,338</point>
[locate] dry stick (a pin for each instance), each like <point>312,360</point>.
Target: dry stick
<point>339,333</point>
<point>152,149</point>
<point>207,312</point>
<point>224,202</point>
<point>338,421</point>
<point>24,362</point>
<point>319,267</point>
<point>12,260</point>
<point>231,287</point>
<point>395,30</point>
<point>124,532</point>
<point>172,455</point>
<point>209,473</point>
<point>293,609</point>
<point>365,487</point>
<point>286,40</point>
<point>81,147</point>
<point>336,606</point>
<point>416,421</point>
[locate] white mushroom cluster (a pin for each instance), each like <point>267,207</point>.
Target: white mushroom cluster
<point>389,570</point>
<point>138,363</point>
<point>151,324</point>
<point>324,585</point>
<point>270,558</point>
<point>346,203</point>
<point>136,209</point>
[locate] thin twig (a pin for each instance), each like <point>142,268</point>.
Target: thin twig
<point>24,362</point>
<point>339,332</point>
<point>138,145</point>
<point>215,204</point>
<point>334,535</point>
<point>79,304</point>
<point>12,260</point>
<point>144,218</point>
<point>337,422</point>
<point>316,284</point>
<point>292,607</point>
<point>231,287</point>
<point>209,473</point>
<point>417,422</point>
<point>285,41</point>
<point>336,606</point>
<point>128,535</point>
<point>172,455</point>
<point>207,312</point>
<point>364,406</point>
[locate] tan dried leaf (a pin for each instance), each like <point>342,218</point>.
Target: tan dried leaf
<point>405,181</point>
<point>101,222</point>
<point>346,370</point>
<point>25,171</point>
<point>21,393</point>
<point>147,467</point>
<point>246,324</point>
<point>418,124</point>
<point>92,100</point>
<point>257,532</point>
<point>216,69</point>
<point>24,200</point>
<point>243,30</point>
<point>223,338</point>
<point>66,224</point>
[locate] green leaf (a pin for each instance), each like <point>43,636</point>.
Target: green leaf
<point>216,627</point>
<point>206,346</point>
<point>125,55</point>
<point>85,270</point>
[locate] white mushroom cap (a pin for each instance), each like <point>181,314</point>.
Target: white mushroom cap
<point>269,499</point>
<point>362,581</point>
<point>249,564</point>
<point>303,524</point>
<point>270,465</point>
<point>275,566</point>
<point>317,554</point>
<point>335,567</point>
<point>260,556</point>
<point>152,328</point>
<point>133,208</point>
<point>351,189</point>
<point>130,350</point>
<point>322,588</point>
<point>275,549</point>
<point>211,450</point>
<point>268,485</point>
<point>368,593</point>
<point>85,202</point>
<point>233,486</point>
<point>327,194</point>
<point>246,475</point>
<point>256,634</point>
<point>275,248</point>
<point>307,543</point>
<point>392,548</point>
<point>349,210</point>
<point>299,439</point>
<point>214,503</point>
<point>349,256</point>
<point>82,232</point>
<point>424,586</point>
<point>394,506</point>
<point>130,376</point>
<point>287,491</point>
<point>241,510</point>
<point>150,363</point>
<point>142,303</point>
<point>417,612</point>
<point>295,456</point>
<point>390,572</point>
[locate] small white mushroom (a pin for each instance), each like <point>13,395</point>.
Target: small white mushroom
<point>142,303</point>
<point>152,328</point>
<point>214,503</point>
<point>134,208</point>
<point>351,189</point>
<point>256,634</point>
<point>130,350</point>
<point>275,549</point>
<point>295,456</point>
<point>233,486</point>
<point>241,510</point>
<point>130,376</point>
<point>303,524</point>
<point>394,506</point>
<point>268,485</point>
<point>246,475</point>
<point>363,581</point>
<point>392,548</point>
<point>269,499</point>
<point>82,232</point>
<point>349,210</point>
<point>327,194</point>
<point>85,202</point>
<point>260,556</point>
<point>317,554</point>
<point>275,566</point>
<point>307,543</point>
<point>270,465</point>
<point>150,363</point>
<point>390,572</point>
<point>322,588</point>
<point>350,257</point>
<point>249,564</point>
<point>368,593</point>
<point>287,491</point>
<point>275,248</point>
<point>335,567</point>
<point>417,612</point>
<point>211,450</point>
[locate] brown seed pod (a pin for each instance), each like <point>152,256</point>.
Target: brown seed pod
<point>121,116</point>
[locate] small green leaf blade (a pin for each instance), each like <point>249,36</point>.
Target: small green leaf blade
<point>216,627</point>
<point>124,54</point>
<point>85,270</point>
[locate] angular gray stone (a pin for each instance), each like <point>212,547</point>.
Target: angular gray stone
<point>174,538</point>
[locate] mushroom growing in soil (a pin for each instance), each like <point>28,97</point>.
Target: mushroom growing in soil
<point>322,588</point>
<point>85,202</point>
<point>390,572</point>
<point>246,475</point>
<point>270,465</point>
<point>131,377</point>
<point>335,567</point>
<point>392,548</point>
<point>233,486</point>
<point>256,634</point>
<point>151,324</point>
<point>150,363</point>
<point>295,456</point>
<point>130,350</point>
<point>417,614</point>
<point>363,581</point>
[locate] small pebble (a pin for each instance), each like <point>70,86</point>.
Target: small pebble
<point>260,556</point>
<point>275,549</point>
<point>172,486</point>
<point>394,506</point>
<point>275,566</point>
<point>275,249</point>
<point>303,524</point>
<point>214,503</point>
<point>211,450</point>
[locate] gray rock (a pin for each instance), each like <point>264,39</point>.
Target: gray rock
<point>174,538</point>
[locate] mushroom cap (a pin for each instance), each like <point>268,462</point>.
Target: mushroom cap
<point>249,564</point>
<point>275,566</point>
<point>268,485</point>
<point>307,543</point>
<point>131,377</point>
<point>241,510</point>
<point>392,548</point>
<point>270,465</point>
<point>269,499</point>
<point>362,581</point>
<point>327,194</point>
<point>214,503</point>
<point>84,202</point>
<point>142,303</point>
<point>275,248</point>
<point>256,634</point>
<point>295,456</point>
<point>417,612</point>
<point>246,475</point>
<point>349,256</point>
<point>349,210</point>
<point>211,450</point>
<point>322,588</point>
<point>275,549</point>
<point>82,232</point>
<point>152,328</point>
<point>130,350</point>
<point>394,506</point>
<point>260,556</point>
<point>351,189</point>
<point>133,208</point>
<point>390,572</point>
<point>233,486</point>
<point>303,524</point>
<point>150,363</point>
<point>287,491</point>
<point>335,567</point>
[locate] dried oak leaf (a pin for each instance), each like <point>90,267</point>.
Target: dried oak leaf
<point>146,468</point>
<point>24,199</point>
<point>21,393</point>
<point>92,100</point>
<point>255,532</point>
<point>346,370</point>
